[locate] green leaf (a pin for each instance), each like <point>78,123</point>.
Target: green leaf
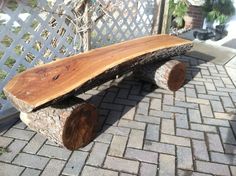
<point>32,3</point>
<point>2,95</point>
<point>10,62</point>
<point>6,41</point>
<point>21,68</point>
<point>219,10</point>
<point>3,74</point>
<point>179,21</point>
<point>1,54</point>
<point>178,9</point>
<point>222,19</point>
<point>18,49</point>
<point>12,4</point>
<point>211,16</point>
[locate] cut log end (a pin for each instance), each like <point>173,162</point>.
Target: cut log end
<point>176,75</point>
<point>80,127</point>
<point>71,123</point>
<point>169,75</point>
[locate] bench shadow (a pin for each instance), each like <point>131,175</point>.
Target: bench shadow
<point>5,125</point>
<point>193,61</point>
<point>230,141</point>
<point>116,99</point>
<point>200,55</point>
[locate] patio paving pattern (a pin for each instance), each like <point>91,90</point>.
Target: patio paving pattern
<point>143,130</point>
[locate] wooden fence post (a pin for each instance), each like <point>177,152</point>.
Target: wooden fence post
<point>87,32</point>
<point>166,18</point>
<point>156,17</point>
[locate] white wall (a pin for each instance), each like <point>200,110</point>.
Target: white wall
<point>231,25</point>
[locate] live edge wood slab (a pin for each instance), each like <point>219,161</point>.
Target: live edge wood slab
<point>54,81</point>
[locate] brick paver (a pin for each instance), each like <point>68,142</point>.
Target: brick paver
<point>148,169</point>
<point>144,131</point>
<point>98,154</point>
<point>30,172</point>
<point>54,167</point>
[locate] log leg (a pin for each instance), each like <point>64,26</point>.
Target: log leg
<point>169,75</point>
<point>70,123</point>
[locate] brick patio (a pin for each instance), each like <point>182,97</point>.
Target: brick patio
<point>144,131</point>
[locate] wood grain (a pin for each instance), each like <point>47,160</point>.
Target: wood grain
<point>49,82</point>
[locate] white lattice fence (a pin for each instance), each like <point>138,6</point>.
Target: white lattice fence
<point>33,32</point>
<point>37,31</point>
<point>128,19</point>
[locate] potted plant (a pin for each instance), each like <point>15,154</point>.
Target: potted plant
<point>218,11</point>
<point>178,9</point>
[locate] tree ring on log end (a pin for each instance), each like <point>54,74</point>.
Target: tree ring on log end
<point>176,76</point>
<point>80,126</point>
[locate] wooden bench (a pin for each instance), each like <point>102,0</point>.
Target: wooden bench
<point>72,122</point>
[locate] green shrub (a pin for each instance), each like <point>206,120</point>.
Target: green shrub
<point>218,10</point>
<point>178,9</point>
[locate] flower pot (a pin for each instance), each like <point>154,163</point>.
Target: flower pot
<point>178,22</point>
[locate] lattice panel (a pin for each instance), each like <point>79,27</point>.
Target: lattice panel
<point>37,31</point>
<point>126,20</point>
<point>33,32</point>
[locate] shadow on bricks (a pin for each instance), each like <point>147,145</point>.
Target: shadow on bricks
<point>4,126</point>
<point>118,98</point>
<point>230,141</point>
<point>193,60</point>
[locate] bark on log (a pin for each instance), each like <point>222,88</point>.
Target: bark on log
<point>169,75</point>
<point>29,90</point>
<point>70,123</point>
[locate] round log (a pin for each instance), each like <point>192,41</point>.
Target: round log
<point>169,75</point>
<point>70,123</point>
